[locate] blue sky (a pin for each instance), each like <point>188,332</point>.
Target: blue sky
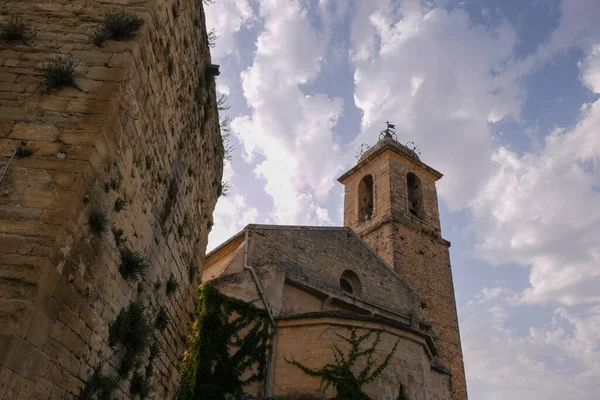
<point>499,95</point>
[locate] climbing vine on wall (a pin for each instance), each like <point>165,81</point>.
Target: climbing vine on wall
<point>341,376</point>
<point>229,347</point>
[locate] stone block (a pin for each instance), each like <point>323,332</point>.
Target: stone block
<point>20,388</point>
<point>15,316</point>
<point>34,132</point>
<point>120,60</point>
<point>13,113</point>
<point>12,87</point>
<point>87,106</point>
<point>54,103</point>
<point>51,198</point>
<point>25,359</point>
<point>9,244</point>
<point>47,163</point>
<point>5,379</point>
<point>93,122</point>
<point>27,228</point>
<point>79,138</point>
<point>6,127</point>
<point>7,77</point>
<point>106,74</point>
<point>43,389</point>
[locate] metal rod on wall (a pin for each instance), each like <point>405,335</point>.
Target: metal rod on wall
<point>12,156</point>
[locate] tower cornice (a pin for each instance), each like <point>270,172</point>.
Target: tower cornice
<point>388,143</point>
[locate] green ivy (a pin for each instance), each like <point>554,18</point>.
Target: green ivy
<point>210,370</point>
<point>341,376</point>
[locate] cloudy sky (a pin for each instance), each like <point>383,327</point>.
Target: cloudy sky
<point>502,96</point>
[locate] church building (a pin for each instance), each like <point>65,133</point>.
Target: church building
<point>387,271</point>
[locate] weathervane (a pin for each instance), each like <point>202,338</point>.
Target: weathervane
<point>389,131</point>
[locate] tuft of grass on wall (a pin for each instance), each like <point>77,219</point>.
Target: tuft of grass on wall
<point>98,222</point>
<point>98,37</point>
<point>114,184</point>
<point>170,66</point>
<point>133,265</point>
<point>58,72</point>
<point>119,237</point>
<point>171,286</point>
<point>120,205</point>
<point>139,385</point>
<point>25,150</point>
<point>132,331</point>
<point>162,319</point>
<point>120,25</point>
<point>99,386</point>
<point>192,272</point>
<point>14,30</point>
<point>212,37</point>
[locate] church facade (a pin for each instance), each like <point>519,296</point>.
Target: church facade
<point>387,271</point>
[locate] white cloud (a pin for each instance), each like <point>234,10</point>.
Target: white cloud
<point>230,216</point>
<point>227,17</point>
<point>590,69</point>
<point>559,360</point>
<point>541,210</point>
<point>289,134</point>
<point>436,74</point>
<point>442,78</point>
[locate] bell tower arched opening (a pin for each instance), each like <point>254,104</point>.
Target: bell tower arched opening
<point>415,195</point>
<point>365,199</point>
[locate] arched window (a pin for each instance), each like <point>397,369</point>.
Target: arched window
<point>365,198</point>
<point>349,283</point>
<point>415,195</point>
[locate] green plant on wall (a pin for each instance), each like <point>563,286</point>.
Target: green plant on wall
<point>58,72</point>
<point>14,29</point>
<point>99,386</point>
<point>171,286</point>
<point>341,375</point>
<point>132,332</point>
<point>230,339</point>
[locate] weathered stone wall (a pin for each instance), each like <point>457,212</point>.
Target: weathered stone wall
<point>307,321</point>
<point>317,257</point>
<point>144,119</point>
<point>422,258</point>
<point>310,341</point>
<point>411,245</point>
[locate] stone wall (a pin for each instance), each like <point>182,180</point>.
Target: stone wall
<point>142,127</point>
<point>422,258</point>
<point>310,341</point>
<point>318,256</point>
<point>411,245</point>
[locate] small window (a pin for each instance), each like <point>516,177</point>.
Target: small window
<point>349,283</point>
<point>415,195</point>
<point>365,199</point>
<point>346,286</point>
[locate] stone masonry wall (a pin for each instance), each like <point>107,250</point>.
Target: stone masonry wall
<point>422,258</point>
<point>317,257</point>
<point>143,127</point>
<point>411,245</point>
<point>310,341</point>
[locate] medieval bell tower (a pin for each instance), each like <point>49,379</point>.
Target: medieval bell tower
<point>390,201</point>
